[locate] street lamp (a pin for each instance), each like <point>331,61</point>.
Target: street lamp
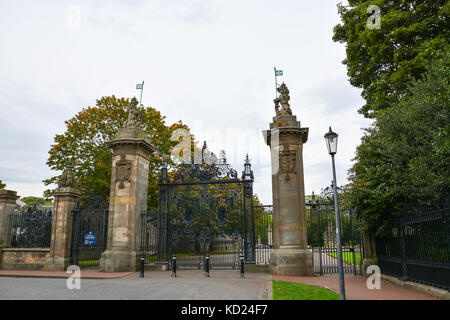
<point>331,139</point>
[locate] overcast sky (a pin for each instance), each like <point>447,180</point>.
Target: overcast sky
<point>207,63</point>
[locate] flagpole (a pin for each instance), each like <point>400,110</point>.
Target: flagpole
<point>276,84</point>
<point>142,89</point>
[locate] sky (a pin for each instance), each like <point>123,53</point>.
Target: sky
<point>207,63</point>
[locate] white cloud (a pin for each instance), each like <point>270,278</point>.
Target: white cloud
<point>209,64</point>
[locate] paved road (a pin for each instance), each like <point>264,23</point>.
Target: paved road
<point>222,285</point>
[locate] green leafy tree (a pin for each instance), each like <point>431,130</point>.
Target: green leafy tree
<point>36,201</point>
<point>404,156</point>
<point>83,143</point>
<point>2,185</point>
<point>383,61</point>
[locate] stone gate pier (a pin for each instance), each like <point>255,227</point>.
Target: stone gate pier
<point>128,198</point>
<point>286,137</point>
<point>7,204</point>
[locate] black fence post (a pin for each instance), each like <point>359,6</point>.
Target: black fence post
<point>207,266</point>
<point>141,275</point>
<point>143,232</point>
<point>174,266</point>
<point>242,267</point>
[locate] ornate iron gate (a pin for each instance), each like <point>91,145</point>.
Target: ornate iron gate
<point>30,228</point>
<point>205,210</point>
<point>321,224</point>
<point>89,232</point>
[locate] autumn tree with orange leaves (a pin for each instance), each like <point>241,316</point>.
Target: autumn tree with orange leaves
<point>83,144</point>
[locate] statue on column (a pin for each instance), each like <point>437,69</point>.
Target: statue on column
<point>134,115</point>
<point>283,99</point>
<point>68,178</point>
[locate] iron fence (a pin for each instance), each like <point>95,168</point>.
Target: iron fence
<point>223,251</point>
<point>321,233</point>
<point>418,249</point>
<point>30,228</point>
<point>264,233</point>
<point>152,241</point>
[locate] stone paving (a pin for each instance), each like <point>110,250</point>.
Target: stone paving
<point>157,285</point>
<point>189,285</point>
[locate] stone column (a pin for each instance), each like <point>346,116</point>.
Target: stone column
<point>66,198</point>
<point>7,205</point>
<point>128,198</point>
<point>286,137</point>
<point>369,250</point>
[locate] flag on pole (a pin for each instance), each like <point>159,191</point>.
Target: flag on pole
<point>140,86</point>
<point>278,72</point>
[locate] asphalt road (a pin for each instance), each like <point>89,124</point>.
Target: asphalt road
<point>221,285</point>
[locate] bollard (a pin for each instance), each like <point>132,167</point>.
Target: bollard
<point>242,267</point>
<point>174,266</point>
<point>141,275</point>
<point>207,266</point>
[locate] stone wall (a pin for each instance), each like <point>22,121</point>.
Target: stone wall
<point>24,258</point>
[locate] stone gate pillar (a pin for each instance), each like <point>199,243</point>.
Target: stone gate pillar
<point>66,197</point>
<point>286,137</point>
<point>369,250</point>
<point>128,198</point>
<point>7,204</point>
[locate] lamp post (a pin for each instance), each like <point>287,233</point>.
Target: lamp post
<point>331,139</point>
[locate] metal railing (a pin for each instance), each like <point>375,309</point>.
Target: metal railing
<point>264,234</point>
<point>418,249</point>
<point>30,228</point>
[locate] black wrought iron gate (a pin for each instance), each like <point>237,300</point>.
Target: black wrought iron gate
<point>89,232</point>
<point>205,211</point>
<point>321,223</point>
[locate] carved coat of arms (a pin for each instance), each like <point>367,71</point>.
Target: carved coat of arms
<point>123,171</point>
<point>287,162</point>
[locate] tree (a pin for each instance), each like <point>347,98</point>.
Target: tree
<point>403,158</point>
<point>36,201</point>
<point>2,185</point>
<point>384,61</point>
<point>83,143</point>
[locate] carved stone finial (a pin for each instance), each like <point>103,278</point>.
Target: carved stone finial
<point>68,178</point>
<point>283,99</point>
<point>134,115</point>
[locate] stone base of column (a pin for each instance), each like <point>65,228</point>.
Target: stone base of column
<point>368,262</point>
<point>118,261</point>
<point>57,264</point>
<point>292,262</point>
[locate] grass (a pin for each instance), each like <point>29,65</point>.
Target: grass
<point>347,257</point>
<point>88,263</point>
<point>284,290</point>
